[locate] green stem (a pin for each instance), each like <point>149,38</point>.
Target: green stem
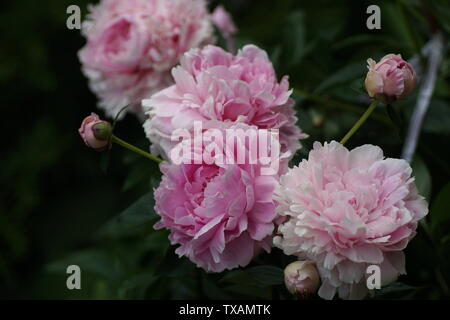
<point>135,149</point>
<point>360,121</point>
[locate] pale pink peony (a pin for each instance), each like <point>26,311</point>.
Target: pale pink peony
<point>133,44</point>
<point>221,214</point>
<point>390,79</point>
<point>213,85</point>
<point>346,210</point>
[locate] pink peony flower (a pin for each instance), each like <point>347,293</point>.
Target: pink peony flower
<point>220,214</point>
<point>132,45</point>
<point>95,133</point>
<point>213,85</point>
<point>222,19</point>
<point>346,210</point>
<point>390,79</point>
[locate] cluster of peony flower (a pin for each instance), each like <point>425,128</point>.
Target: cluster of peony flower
<point>339,210</point>
<point>133,44</point>
<point>221,214</point>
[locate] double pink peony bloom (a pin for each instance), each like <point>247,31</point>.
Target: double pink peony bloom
<point>214,85</point>
<point>133,44</point>
<point>221,215</point>
<point>346,210</point>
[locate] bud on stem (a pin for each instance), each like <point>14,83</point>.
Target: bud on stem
<point>301,278</point>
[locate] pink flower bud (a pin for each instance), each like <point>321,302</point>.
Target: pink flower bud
<point>390,79</point>
<point>222,19</point>
<point>95,133</point>
<point>301,278</point>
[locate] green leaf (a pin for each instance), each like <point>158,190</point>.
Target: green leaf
<point>211,289</point>
<point>422,176</point>
<point>136,285</point>
<point>95,261</point>
<point>363,40</point>
<point>437,120</point>
<point>440,209</point>
<point>139,214</point>
<point>295,44</point>
<point>266,275</point>
<point>396,119</point>
<point>171,265</point>
<point>396,289</point>
<point>342,76</point>
<point>105,159</point>
<point>441,11</point>
<point>249,291</point>
<point>262,276</point>
<point>137,174</point>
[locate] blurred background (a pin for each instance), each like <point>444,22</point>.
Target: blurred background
<point>62,203</point>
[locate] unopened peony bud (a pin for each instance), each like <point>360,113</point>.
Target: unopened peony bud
<point>390,79</point>
<point>301,278</point>
<point>95,133</point>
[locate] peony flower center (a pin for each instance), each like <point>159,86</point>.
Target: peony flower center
<point>117,37</point>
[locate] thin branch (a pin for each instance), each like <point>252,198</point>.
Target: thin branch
<point>424,97</point>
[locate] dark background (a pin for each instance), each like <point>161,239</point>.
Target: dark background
<point>57,197</point>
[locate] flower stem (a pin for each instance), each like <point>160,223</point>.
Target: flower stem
<point>360,121</point>
<point>135,149</point>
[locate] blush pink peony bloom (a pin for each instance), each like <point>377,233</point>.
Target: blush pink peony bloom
<point>213,85</point>
<point>133,44</point>
<point>346,210</point>
<point>220,214</point>
<point>390,79</point>
<point>95,133</point>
